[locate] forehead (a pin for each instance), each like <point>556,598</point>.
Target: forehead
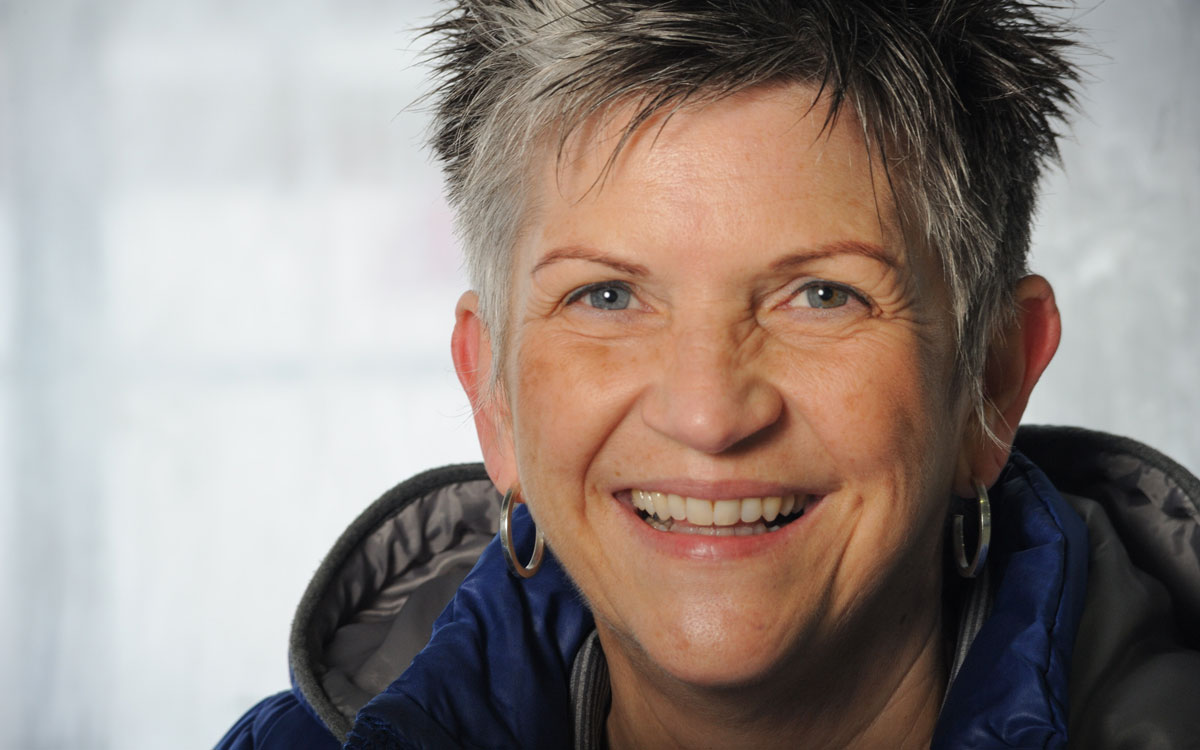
<point>765,155</point>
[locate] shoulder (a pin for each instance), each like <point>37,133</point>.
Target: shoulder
<point>279,722</point>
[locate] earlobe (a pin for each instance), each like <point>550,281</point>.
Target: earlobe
<point>471,349</point>
<point>1016,360</point>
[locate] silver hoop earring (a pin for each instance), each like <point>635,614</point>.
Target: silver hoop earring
<point>971,569</point>
<point>506,541</point>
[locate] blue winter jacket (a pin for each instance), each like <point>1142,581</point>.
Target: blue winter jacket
<point>1078,630</point>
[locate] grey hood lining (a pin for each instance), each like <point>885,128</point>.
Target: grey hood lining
<point>373,600</point>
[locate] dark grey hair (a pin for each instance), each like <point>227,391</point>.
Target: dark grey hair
<point>959,100</point>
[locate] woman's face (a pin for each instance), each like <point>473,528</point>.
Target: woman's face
<point>730,317</point>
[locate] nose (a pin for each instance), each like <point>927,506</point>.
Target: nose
<point>708,393</point>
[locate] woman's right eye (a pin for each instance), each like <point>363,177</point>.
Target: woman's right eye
<point>606,295</point>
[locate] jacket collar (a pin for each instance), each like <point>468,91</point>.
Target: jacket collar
<point>1011,688</point>
<point>496,670</point>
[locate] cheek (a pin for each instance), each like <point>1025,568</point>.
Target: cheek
<point>568,396</point>
<point>884,415</point>
<point>885,427</point>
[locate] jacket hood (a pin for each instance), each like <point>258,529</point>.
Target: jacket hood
<point>372,605</point>
<point>1135,673</point>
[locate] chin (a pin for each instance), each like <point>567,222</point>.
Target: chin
<point>713,645</point>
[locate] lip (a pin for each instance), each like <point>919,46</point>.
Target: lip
<point>696,547</point>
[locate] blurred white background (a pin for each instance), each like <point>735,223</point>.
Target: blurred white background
<point>226,288</point>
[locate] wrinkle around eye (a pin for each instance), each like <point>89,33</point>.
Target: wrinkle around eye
<point>634,326</point>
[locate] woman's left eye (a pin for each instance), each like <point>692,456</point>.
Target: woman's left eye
<point>604,296</point>
<point>823,295</point>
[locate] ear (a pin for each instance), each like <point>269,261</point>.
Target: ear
<point>1016,359</point>
<point>471,348</point>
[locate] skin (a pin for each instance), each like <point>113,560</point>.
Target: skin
<point>718,378</point>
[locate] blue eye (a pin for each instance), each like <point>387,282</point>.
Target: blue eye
<point>604,296</point>
<point>824,296</point>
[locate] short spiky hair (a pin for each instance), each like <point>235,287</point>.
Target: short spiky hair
<point>958,98</point>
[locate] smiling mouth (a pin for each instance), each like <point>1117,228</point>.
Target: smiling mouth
<point>745,517</point>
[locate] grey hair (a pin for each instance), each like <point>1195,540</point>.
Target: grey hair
<point>959,99</point>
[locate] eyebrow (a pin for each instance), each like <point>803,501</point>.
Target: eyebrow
<point>577,252</point>
<point>841,247</point>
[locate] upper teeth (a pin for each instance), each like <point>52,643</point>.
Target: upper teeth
<point>717,512</point>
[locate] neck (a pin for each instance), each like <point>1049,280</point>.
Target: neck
<point>883,695</point>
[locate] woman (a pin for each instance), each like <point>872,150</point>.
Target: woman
<point>751,309</point>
